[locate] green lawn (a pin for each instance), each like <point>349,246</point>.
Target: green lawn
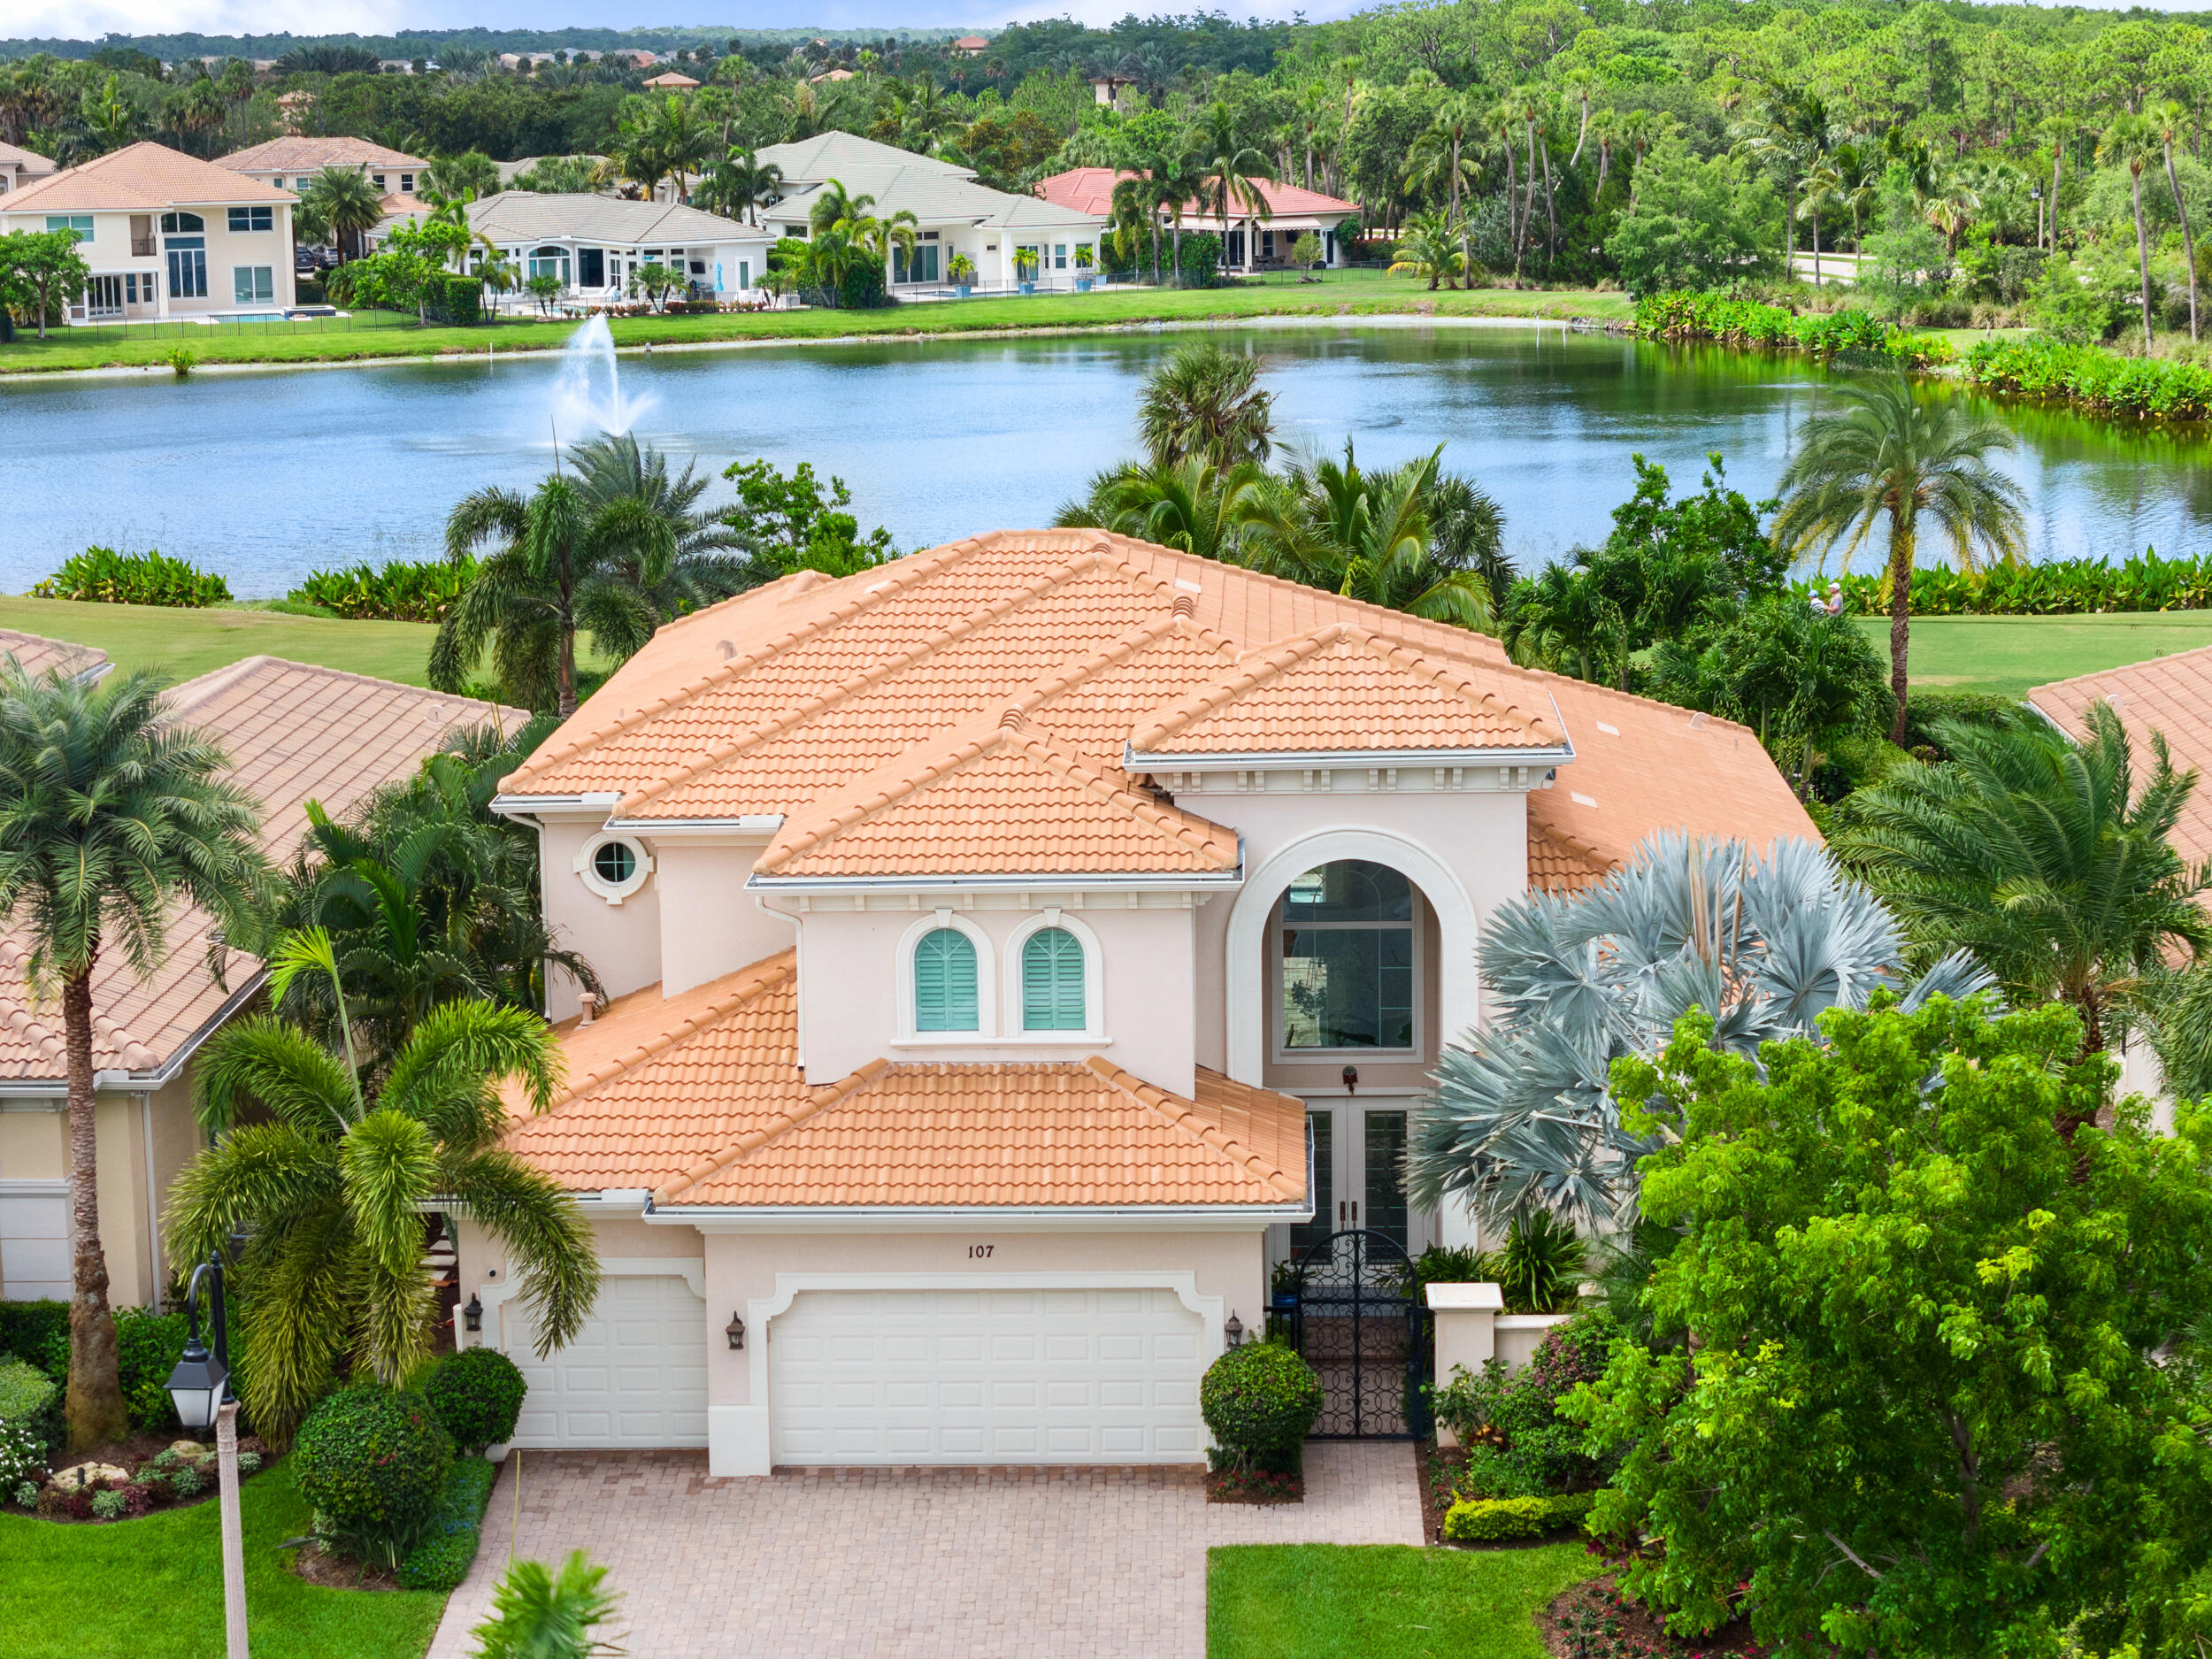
<point>189,642</point>
<point>2008,655</point>
<point>153,1589</point>
<point>1361,293</point>
<point>1382,1600</point>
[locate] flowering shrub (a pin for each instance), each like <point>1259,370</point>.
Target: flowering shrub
<point>1518,1447</point>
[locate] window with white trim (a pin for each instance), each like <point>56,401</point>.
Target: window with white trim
<point>945,982</point>
<point>1347,959</point>
<point>247,218</point>
<point>613,866</point>
<point>251,283</point>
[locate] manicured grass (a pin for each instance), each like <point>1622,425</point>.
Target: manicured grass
<point>1382,1601</point>
<point>188,643</point>
<point>153,1589</point>
<point>1358,293</point>
<point>2009,655</point>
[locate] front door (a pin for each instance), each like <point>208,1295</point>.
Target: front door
<point>1359,1153</point>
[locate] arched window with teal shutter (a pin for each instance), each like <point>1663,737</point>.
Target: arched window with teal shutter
<point>944,981</point>
<point>1052,982</point>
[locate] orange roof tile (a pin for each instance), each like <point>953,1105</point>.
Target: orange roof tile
<point>1559,865</point>
<point>1001,799</point>
<point>2171,695</point>
<point>294,733</point>
<point>140,178</point>
<point>308,153</point>
<point>700,1099</point>
<point>39,654</point>
<point>1342,688</point>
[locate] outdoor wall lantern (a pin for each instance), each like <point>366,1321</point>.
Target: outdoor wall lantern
<point>473,1315</point>
<point>1233,1333</point>
<point>735,1331</point>
<point>1351,1079</point>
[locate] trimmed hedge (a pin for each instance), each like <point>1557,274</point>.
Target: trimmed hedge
<point>443,1558</point>
<point>2056,587</point>
<point>28,1328</point>
<point>102,575</point>
<point>476,1395</point>
<point>147,1346</point>
<point>374,1463</point>
<point>2041,367</point>
<point>1486,1520</point>
<point>400,592</point>
<point>1259,1400</point>
<point>1681,315</point>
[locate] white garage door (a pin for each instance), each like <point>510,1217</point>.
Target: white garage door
<point>33,1241</point>
<point>637,1374</point>
<point>985,1376</point>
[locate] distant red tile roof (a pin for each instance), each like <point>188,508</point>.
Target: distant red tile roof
<point>2171,695</point>
<point>1091,190</point>
<point>140,179</point>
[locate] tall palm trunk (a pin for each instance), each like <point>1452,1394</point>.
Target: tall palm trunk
<point>2188,238</point>
<point>1512,212</point>
<point>1816,251</point>
<point>1528,207</point>
<point>2142,249</point>
<point>567,681</point>
<point>1901,541</point>
<point>1605,160</point>
<point>1551,214</point>
<point>2058,157</point>
<point>94,1404</point>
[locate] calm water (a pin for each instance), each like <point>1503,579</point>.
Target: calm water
<point>265,476</point>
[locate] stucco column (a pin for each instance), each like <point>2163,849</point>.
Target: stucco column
<point>1466,1320</point>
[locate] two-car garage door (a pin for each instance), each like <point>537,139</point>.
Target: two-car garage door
<point>985,1376</point>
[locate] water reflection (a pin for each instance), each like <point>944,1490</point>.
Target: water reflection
<point>264,476</point>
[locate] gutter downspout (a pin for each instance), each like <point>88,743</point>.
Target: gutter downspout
<point>153,1203</point>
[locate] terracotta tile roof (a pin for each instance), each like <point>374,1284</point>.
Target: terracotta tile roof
<point>771,701</point>
<point>310,154</point>
<point>1091,190</point>
<point>294,733</point>
<point>700,1099</point>
<point>1345,687</point>
<point>1559,865</point>
<point>140,179</point>
<point>39,654</point>
<point>2171,695</point>
<point>1001,799</point>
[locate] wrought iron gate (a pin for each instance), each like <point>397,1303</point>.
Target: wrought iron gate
<point>1358,1323</point>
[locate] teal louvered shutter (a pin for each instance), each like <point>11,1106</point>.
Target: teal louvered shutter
<point>1052,981</point>
<point>944,982</point>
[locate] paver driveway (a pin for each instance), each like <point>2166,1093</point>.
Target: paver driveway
<point>996,1564</point>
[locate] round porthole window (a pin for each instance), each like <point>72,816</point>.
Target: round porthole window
<point>613,867</point>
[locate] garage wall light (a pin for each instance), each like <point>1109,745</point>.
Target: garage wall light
<point>473,1315</point>
<point>1233,1333</point>
<point>735,1331</point>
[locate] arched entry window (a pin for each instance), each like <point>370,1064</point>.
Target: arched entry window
<point>1347,956</point>
<point>945,981</point>
<point>549,262</point>
<point>1053,993</point>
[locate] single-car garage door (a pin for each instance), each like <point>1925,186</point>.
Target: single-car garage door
<point>985,1376</point>
<point>637,1374</point>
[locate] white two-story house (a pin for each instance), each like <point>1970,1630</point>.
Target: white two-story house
<point>1013,952</point>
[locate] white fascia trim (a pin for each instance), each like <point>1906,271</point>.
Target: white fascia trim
<point>996,884</point>
<point>945,1218</point>
<point>1312,760</point>
<point>115,1078</point>
<point>556,805</point>
<point>745,823</point>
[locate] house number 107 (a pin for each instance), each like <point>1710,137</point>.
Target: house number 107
<point>978,1252</point>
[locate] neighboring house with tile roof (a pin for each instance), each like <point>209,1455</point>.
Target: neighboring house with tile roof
<point>167,236</point>
<point>953,214</point>
<point>1287,212</point>
<point>291,163</point>
<point>1016,951</point>
<point>37,654</point>
<point>19,167</point>
<point>294,733</point>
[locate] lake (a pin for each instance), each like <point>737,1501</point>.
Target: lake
<point>263,476</point>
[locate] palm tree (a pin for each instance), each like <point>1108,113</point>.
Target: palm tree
<point>2171,117</point>
<point>537,1615</point>
<point>330,1183</point>
<point>1499,124</point>
<point>1563,619</point>
<point>1139,200</point>
<point>1231,171</point>
<point>741,184</point>
<point>1824,188</point>
<point>1206,402</point>
<point>1438,152</point>
<point>616,551</point>
<point>1191,504</point>
<point>1467,533</point>
<point>1888,452</point>
<point>111,818</point>
<point>344,202</point>
<point>2130,142</point>
<point>2041,858</point>
<point>1522,1117</point>
<point>1434,247</point>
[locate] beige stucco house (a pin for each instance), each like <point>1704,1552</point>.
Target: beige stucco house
<point>1014,951</point>
<point>167,236</point>
<point>19,167</point>
<point>294,733</point>
<point>291,163</point>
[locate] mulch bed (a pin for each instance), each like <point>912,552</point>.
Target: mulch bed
<point>317,1565</point>
<point>1436,1471</point>
<point>1227,1486</point>
<point>1592,1621</point>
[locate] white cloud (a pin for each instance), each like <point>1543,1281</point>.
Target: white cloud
<point>89,20</point>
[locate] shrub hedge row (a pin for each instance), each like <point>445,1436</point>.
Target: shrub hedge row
<point>2058,588</point>
<point>30,1402</point>
<point>1688,316</point>
<point>1485,1520</point>
<point>443,1557</point>
<point>148,1346</point>
<point>102,575</point>
<point>399,592</point>
<point>2037,365</point>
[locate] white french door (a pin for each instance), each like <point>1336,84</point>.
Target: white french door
<point>1359,1149</point>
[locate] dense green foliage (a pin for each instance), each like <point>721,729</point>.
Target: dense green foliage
<point>1943,1398</point>
<point>401,591</point>
<point>30,1405</point>
<point>447,1549</point>
<point>147,1346</point>
<point>1517,1444</point>
<point>788,525</point>
<point>477,1394</point>
<point>538,1614</point>
<point>2041,365</point>
<point>2145,581</point>
<point>1679,315</point>
<point>1259,1400</point>
<point>152,577</point>
<point>1488,1520</point>
<point>374,1463</point>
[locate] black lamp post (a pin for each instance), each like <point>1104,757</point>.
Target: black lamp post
<point>200,1387</point>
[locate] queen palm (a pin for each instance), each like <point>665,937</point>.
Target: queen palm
<point>344,202</point>
<point>1522,1116</point>
<point>1231,171</point>
<point>1888,455</point>
<point>1439,153</point>
<point>2039,856</point>
<point>330,1183</point>
<point>2131,142</point>
<point>113,817</point>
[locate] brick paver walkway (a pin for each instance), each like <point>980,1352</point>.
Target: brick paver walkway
<point>993,1563</point>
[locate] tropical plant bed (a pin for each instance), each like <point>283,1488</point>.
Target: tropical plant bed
<point>1439,1469</point>
<point>158,1471</point>
<point>1593,1620</point>
<point>1253,1485</point>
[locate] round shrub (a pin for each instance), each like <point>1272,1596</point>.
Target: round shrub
<point>477,1394</point>
<point>372,1462</point>
<point>1259,1400</point>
